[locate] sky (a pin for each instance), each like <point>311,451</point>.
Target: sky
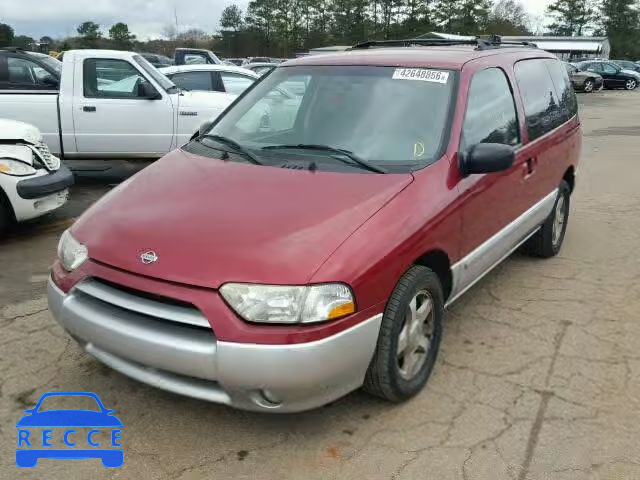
<point>146,18</point>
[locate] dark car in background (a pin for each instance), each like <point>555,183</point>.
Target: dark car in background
<point>584,81</point>
<point>614,76</point>
<point>190,56</point>
<point>627,65</point>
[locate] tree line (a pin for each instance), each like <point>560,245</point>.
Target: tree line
<point>281,28</point>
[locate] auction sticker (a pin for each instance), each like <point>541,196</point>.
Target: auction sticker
<point>422,74</point>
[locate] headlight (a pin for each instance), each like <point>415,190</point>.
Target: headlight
<point>71,253</point>
<point>289,304</point>
<point>16,168</point>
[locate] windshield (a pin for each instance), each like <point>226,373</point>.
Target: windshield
<point>395,118</point>
<point>160,79</point>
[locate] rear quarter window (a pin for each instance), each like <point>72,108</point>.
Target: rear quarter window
<point>562,83</point>
<point>539,97</point>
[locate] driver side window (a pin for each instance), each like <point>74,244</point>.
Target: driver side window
<point>491,113</point>
<point>609,68</point>
<point>111,78</point>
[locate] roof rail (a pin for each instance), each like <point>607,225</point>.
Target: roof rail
<point>481,43</point>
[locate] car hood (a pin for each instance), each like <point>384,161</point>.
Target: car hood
<point>14,130</point>
<point>69,418</point>
<point>210,221</point>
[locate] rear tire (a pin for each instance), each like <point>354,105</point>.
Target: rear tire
<point>409,337</point>
<point>547,241</point>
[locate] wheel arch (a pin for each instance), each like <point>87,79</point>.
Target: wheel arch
<point>438,261</point>
<point>570,177</point>
<point>4,202</point>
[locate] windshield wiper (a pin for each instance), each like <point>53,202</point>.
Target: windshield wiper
<point>339,154</point>
<point>236,146</point>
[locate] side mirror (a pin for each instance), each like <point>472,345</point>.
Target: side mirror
<point>487,158</point>
<point>148,91</point>
<point>204,128</point>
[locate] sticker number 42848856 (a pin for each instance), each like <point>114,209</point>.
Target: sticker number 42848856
<point>422,74</point>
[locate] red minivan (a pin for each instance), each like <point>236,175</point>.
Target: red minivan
<point>308,242</point>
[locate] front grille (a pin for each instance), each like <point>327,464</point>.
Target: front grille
<point>51,162</point>
<point>133,302</point>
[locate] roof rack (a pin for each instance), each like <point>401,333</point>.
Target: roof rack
<point>481,43</point>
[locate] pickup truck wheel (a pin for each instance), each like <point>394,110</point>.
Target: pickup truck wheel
<point>548,240</point>
<point>409,337</point>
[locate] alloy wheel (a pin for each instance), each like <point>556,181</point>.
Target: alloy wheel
<point>414,341</point>
<point>558,221</point>
<point>588,86</point>
<point>631,84</point>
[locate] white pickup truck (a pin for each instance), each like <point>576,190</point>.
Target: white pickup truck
<point>102,104</point>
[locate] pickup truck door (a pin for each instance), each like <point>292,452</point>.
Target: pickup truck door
<point>29,93</point>
<point>118,112</point>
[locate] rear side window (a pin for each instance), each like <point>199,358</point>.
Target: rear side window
<point>491,114</point>
<point>541,104</point>
<point>235,83</point>
<point>566,95</point>
<point>193,80</point>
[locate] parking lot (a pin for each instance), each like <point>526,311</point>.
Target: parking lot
<point>537,376</point>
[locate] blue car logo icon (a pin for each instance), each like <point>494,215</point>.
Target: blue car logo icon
<point>32,446</point>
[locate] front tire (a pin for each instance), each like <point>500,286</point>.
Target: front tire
<point>409,337</point>
<point>547,241</point>
<point>6,213</point>
<point>588,86</point>
<point>630,84</point>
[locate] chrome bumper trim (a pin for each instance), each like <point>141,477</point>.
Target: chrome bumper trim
<point>145,306</point>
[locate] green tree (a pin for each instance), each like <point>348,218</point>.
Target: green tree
<point>472,16</point>
<point>508,17</point>
<point>231,18</point>
<point>621,21</point>
<point>90,34</point>
<point>445,15</point>
<point>22,41</point>
<point>570,17</point>
<point>261,18</point>
<point>121,36</point>
<point>6,35</point>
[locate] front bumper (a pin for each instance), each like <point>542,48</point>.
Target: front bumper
<point>145,342</point>
<point>44,185</point>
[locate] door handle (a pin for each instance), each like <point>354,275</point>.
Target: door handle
<point>88,108</point>
<point>529,166</point>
